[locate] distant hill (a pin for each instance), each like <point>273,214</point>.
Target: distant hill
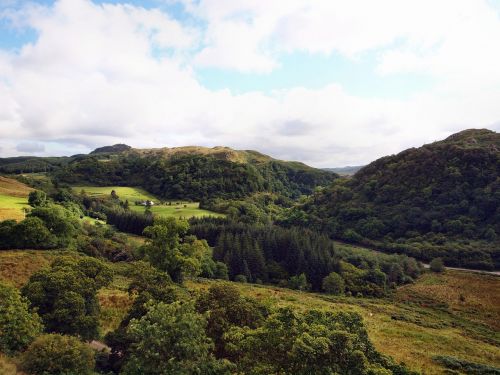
<point>191,172</point>
<point>441,199</point>
<point>345,171</point>
<point>112,149</point>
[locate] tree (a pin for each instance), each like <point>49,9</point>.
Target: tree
<point>66,295</point>
<point>165,251</point>
<point>170,339</point>
<point>299,282</point>
<point>314,342</point>
<point>61,222</point>
<point>436,265</point>
<point>334,284</point>
<point>32,233</point>
<point>226,308</point>
<point>18,325</point>
<point>55,354</point>
<point>37,198</point>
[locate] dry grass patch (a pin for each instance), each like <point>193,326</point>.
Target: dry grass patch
<point>476,296</point>
<point>16,266</point>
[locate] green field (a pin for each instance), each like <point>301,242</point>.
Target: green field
<point>12,207</point>
<point>131,194</point>
<point>176,208</point>
<point>13,198</point>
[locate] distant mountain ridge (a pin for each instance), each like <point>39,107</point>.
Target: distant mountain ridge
<point>345,171</point>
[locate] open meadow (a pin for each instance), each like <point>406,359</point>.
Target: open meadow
<point>13,198</point>
<point>175,208</point>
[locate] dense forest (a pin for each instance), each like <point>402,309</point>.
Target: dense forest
<point>439,200</point>
<point>187,173</point>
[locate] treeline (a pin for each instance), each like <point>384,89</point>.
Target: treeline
<point>298,258</point>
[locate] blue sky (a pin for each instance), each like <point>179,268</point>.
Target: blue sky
<point>326,82</point>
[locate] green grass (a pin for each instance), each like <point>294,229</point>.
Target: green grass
<point>13,198</point>
<point>131,194</point>
<point>176,208</point>
<point>12,207</point>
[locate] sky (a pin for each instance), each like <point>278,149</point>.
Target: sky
<point>327,82</point>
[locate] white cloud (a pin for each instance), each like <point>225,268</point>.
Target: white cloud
<point>102,74</point>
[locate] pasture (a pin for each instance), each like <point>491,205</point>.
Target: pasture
<point>175,208</point>
<point>13,198</point>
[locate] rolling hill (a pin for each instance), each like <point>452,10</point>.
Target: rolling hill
<point>190,172</point>
<point>438,200</point>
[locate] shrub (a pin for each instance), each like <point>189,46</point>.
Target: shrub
<point>436,265</point>
<point>240,278</point>
<point>333,284</point>
<point>18,326</point>
<point>58,354</point>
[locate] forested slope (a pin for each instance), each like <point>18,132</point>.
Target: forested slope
<point>442,199</point>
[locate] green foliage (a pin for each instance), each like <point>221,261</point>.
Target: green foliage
<point>31,233</point>
<point>466,367</point>
<point>37,198</point>
<point>226,308</point>
<point>166,252</point>
<point>299,282</point>
<point>436,265</point>
<point>46,227</point>
<point>147,284</point>
<point>61,222</point>
<point>314,342</point>
<point>66,295</point>
<point>170,339</point>
<point>195,176</point>
<point>334,284</point>
<point>439,200</point>
<point>56,354</point>
<point>275,254</point>
<point>18,325</point>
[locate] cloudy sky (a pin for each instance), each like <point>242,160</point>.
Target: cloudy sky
<point>327,82</point>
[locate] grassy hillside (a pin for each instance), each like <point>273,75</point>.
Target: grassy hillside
<point>453,314</point>
<point>13,198</point>
<point>176,208</point>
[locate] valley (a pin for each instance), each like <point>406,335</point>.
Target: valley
<point>387,271</point>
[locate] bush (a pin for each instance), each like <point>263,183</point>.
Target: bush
<point>18,326</point>
<point>333,284</point>
<point>436,265</point>
<point>240,278</point>
<point>58,354</point>
<point>466,366</point>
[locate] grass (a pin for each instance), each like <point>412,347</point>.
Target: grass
<point>176,208</point>
<point>420,321</point>
<point>131,194</point>
<point>8,367</point>
<point>13,198</point>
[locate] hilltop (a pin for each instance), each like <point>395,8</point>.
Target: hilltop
<point>441,199</point>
